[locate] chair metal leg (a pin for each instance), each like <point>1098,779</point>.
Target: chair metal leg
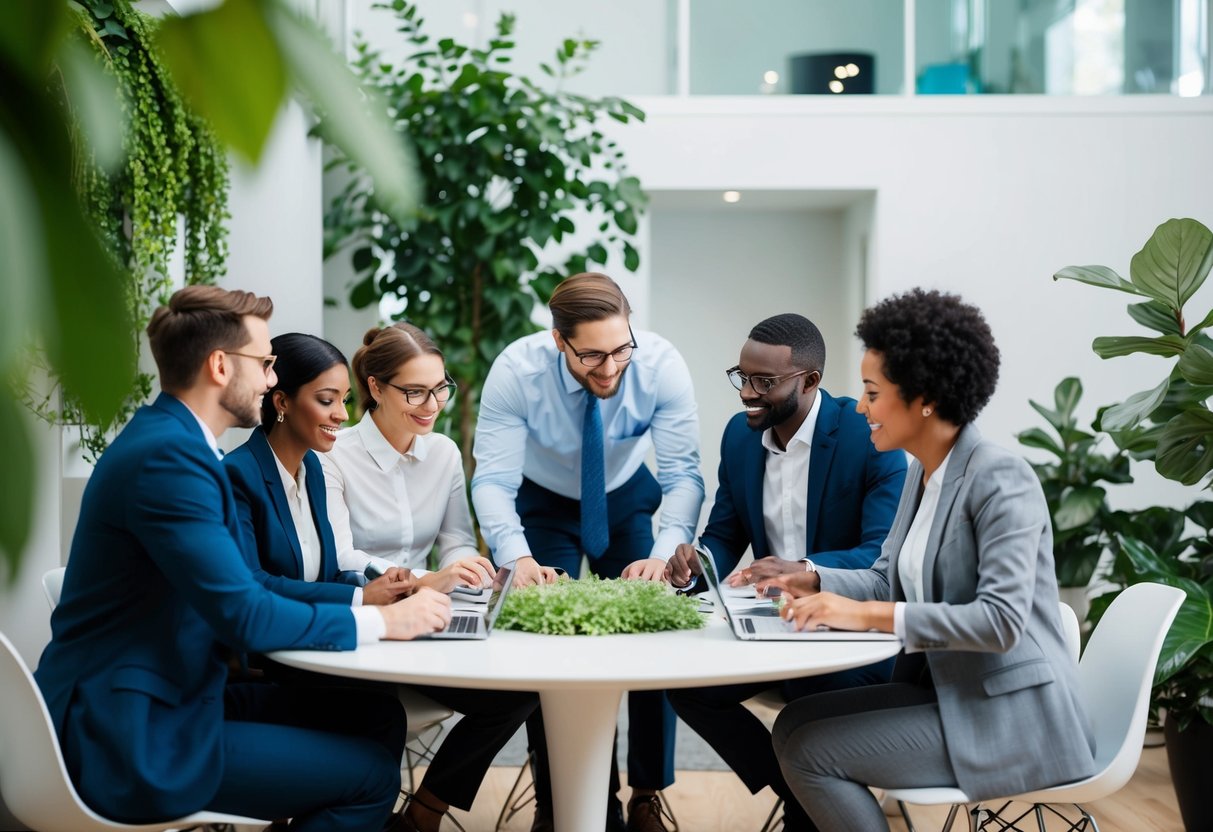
<point>905,814</point>
<point>774,819</point>
<point>521,793</point>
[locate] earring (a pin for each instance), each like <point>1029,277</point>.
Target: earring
<point>926,411</point>
<point>280,416</point>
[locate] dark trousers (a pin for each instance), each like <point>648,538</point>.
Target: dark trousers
<point>552,524</point>
<point>743,742</point>
<point>327,757</point>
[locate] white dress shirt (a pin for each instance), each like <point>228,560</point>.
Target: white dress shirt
<point>914,547</point>
<point>301,512</point>
<point>785,489</point>
<point>391,509</point>
<point>530,425</point>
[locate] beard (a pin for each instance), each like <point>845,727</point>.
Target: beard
<point>239,401</point>
<point>585,383</point>
<point>777,412</point>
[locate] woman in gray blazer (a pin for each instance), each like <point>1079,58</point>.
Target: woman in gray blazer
<point>985,696</point>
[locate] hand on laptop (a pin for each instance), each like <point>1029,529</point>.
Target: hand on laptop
<point>683,566</point>
<point>423,612</point>
<point>389,587</point>
<point>792,586</point>
<point>825,609</point>
<point>647,569</point>
<point>475,572</point>
<point>765,569</point>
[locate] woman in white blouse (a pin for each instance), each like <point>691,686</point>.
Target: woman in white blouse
<point>985,695</point>
<point>395,488</point>
<point>395,493</point>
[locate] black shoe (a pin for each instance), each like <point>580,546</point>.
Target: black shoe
<point>543,819</point>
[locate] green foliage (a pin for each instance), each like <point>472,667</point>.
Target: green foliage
<point>70,72</point>
<point>595,607</point>
<point>1170,423</point>
<point>507,166</point>
<point>1078,505</point>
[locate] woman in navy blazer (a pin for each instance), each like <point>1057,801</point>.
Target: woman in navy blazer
<point>301,415</point>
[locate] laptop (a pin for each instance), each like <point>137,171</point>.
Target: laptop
<point>476,622</point>
<point>760,621</point>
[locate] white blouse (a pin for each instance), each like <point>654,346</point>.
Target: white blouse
<point>391,509</point>
<point>914,547</point>
<point>301,512</point>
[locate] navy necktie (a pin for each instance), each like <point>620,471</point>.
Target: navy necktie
<point>595,533</point>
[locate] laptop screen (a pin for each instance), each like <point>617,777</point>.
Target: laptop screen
<point>501,585</point>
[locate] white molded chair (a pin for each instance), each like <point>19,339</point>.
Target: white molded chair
<point>52,585</point>
<point>33,778</point>
<point>1116,674</point>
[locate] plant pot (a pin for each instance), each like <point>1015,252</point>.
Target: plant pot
<point>1190,756</point>
<point>1076,599</point>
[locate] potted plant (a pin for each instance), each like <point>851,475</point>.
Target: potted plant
<point>1172,422</point>
<point>1078,504</point>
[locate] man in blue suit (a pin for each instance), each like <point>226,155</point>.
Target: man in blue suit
<point>157,592</point>
<point>801,486</point>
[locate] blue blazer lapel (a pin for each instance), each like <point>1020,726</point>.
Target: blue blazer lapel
<point>755,465</point>
<point>821,456</point>
<point>317,497</point>
<point>954,478</point>
<point>268,464</point>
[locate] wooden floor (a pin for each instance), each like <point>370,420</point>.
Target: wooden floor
<point>713,801</point>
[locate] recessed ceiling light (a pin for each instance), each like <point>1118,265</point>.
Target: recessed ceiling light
<point>840,72</point>
<point>732,196</point>
<point>852,70</point>
<point>836,86</point>
<point>770,76</point>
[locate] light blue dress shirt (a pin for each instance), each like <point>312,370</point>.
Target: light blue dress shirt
<point>531,411</point>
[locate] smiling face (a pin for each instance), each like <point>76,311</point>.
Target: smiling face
<point>603,336</point>
<point>894,422</point>
<point>788,399</point>
<point>313,415</point>
<point>398,420</point>
<point>241,398</point>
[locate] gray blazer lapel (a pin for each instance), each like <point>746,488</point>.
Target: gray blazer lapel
<point>954,478</point>
<point>901,527</point>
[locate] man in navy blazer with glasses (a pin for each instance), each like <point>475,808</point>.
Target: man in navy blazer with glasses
<point>157,592</point>
<point>801,486</point>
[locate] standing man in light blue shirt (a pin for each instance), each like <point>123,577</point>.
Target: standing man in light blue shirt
<point>566,421</point>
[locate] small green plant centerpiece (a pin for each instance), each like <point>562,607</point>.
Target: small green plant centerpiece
<point>594,607</point>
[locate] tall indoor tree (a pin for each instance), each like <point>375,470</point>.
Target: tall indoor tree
<point>511,170</point>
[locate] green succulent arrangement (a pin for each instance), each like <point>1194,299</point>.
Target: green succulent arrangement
<point>594,607</point>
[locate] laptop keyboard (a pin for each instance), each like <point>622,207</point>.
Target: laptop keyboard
<point>764,625</point>
<point>463,624</point>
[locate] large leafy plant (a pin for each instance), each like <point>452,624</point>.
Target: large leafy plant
<point>1078,504</point>
<point>1172,424</point>
<point>508,167</point>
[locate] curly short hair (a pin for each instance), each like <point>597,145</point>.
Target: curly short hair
<point>935,346</point>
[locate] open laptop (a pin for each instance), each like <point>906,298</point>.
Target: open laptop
<point>476,622</point>
<point>760,621</point>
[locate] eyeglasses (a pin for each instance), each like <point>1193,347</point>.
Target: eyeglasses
<point>267,361</point>
<point>760,384</point>
<point>591,358</point>
<point>418,395</point>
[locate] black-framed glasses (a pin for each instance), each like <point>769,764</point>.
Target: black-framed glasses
<point>418,395</point>
<point>590,358</point>
<point>267,361</point>
<point>760,384</point>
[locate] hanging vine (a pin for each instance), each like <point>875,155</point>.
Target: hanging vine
<point>173,167</point>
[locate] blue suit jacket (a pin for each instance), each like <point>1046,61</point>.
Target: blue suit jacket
<point>267,530</point>
<point>155,586</point>
<point>852,497</point>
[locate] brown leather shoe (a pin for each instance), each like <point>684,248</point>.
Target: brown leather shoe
<point>645,814</point>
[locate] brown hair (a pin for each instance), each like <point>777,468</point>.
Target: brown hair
<point>197,321</point>
<point>383,351</point>
<point>586,297</point>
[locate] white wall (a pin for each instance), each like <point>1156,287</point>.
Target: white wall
<point>984,198</point>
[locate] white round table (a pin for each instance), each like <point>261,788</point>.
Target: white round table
<point>580,680</point>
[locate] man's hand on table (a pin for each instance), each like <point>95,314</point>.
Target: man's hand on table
<point>683,566</point>
<point>648,569</point>
<point>528,572</point>
<point>765,569</point>
<point>423,612</point>
<point>475,572</point>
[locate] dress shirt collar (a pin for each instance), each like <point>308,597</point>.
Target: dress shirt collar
<point>804,434</point>
<point>935,481</point>
<point>381,450</point>
<point>292,485</point>
<point>571,384</point>
<point>206,431</point>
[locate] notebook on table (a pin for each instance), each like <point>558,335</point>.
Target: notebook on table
<point>475,621</point>
<point>758,619</point>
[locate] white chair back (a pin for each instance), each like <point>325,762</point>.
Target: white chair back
<point>1071,630</point>
<point>52,585</point>
<point>33,777</point>
<point>1117,673</point>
